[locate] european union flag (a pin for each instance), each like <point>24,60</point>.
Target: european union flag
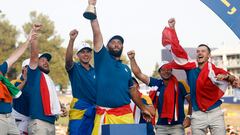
<point>228,11</point>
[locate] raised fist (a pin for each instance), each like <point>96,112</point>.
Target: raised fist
<point>73,34</point>
<point>171,23</point>
<point>131,54</point>
<point>36,27</point>
<point>33,35</point>
<point>92,2</point>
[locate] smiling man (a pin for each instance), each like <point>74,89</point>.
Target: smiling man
<point>113,82</point>
<point>168,99</point>
<point>207,83</point>
<point>44,105</point>
<point>82,77</point>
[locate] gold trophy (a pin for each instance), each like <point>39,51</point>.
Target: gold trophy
<point>90,12</point>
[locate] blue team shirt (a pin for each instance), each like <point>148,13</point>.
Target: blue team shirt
<point>35,99</point>
<point>192,76</point>
<point>83,83</point>
<point>181,98</point>
<point>21,104</point>
<point>4,107</point>
<point>113,80</point>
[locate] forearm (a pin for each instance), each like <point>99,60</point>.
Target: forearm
<point>97,35</point>
<point>136,98</point>
<point>21,85</point>
<point>17,53</point>
<point>137,72</point>
<point>69,55</point>
<point>34,54</point>
<point>135,68</point>
<point>189,112</point>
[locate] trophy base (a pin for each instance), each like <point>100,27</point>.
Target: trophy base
<point>90,15</point>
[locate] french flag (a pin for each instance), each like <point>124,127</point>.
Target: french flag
<point>208,89</point>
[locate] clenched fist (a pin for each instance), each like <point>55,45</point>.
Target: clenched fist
<point>92,2</point>
<point>73,34</point>
<point>131,54</point>
<point>33,35</point>
<point>171,23</point>
<point>36,27</point>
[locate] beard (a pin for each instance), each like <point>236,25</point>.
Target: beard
<point>115,53</point>
<point>46,71</point>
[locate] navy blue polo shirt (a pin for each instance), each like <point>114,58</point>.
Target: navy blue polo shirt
<point>4,107</point>
<point>113,80</point>
<point>181,98</point>
<point>35,100</point>
<point>83,83</point>
<point>21,104</point>
<point>192,76</point>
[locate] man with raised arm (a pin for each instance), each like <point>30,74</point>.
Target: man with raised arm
<point>83,81</point>
<point>207,83</point>
<point>114,82</point>
<point>7,91</point>
<point>44,105</point>
<point>168,99</point>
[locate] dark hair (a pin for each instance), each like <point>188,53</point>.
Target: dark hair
<point>208,48</point>
<point>135,80</point>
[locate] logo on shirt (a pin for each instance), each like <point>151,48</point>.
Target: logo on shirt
<point>126,70</point>
<point>94,77</point>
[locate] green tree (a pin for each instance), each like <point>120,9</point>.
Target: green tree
<point>49,41</point>
<point>8,39</point>
<point>155,73</point>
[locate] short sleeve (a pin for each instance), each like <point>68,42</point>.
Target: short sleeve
<point>4,68</point>
<point>72,69</point>
<point>154,82</point>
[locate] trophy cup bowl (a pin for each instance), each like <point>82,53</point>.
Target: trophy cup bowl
<point>90,13</point>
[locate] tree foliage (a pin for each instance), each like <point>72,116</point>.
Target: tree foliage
<point>155,73</point>
<point>8,39</point>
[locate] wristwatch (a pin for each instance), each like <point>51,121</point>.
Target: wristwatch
<point>189,116</point>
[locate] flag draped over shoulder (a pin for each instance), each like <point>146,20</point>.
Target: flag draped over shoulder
<point>7,90</point>
<point>208,89</point>
<point>170,101</point>
<point>51,104</point>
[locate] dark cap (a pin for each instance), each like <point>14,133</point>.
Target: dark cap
<point>116,37</point>
<point>46,55</point>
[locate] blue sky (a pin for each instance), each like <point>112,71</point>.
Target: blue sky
<point>140,22</point>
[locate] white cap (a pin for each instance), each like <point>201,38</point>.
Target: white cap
<point>84,45</point>
<point>162,63</point>
<point>25,62</point>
